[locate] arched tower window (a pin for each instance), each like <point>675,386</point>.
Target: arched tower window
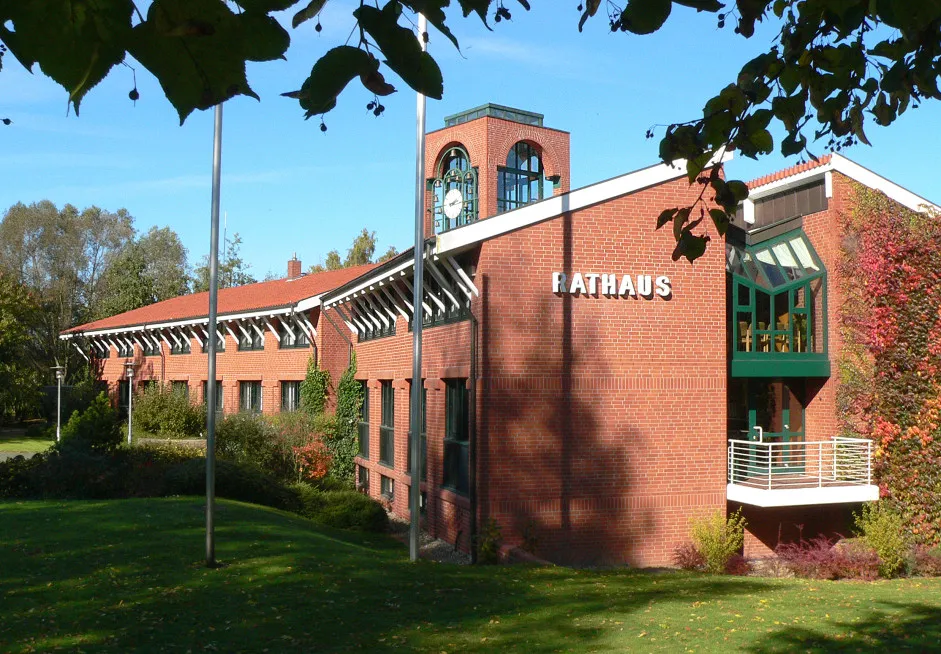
<point>455,191</point>
<point>520,181</point>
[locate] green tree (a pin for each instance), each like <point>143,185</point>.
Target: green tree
<point>391,253</point>
<point>149,270</point>
<point>233,270</point>
<point>362,251</point>
<point>832,66</point>
<point>19,382</point>
<point>61,258</point>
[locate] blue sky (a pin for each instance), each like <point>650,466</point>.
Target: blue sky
<point>289,188</point>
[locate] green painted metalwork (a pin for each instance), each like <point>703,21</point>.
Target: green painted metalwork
<point>455,173</point>
<point>520,181</point>
<point>779,308</point>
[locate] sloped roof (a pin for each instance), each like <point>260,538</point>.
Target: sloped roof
<point>251,297</point>
<point>790,172</point>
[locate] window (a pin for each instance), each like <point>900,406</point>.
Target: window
<point>125,350</point>
<point>455,191</point>
<point>181,387</point>
<point>424,427</point>
<point>446,312</point>
<point>364,423</point>
<point>254,341</point>
<point>386,426</point>
<point>387,487</point>
<point>290,395</point>
<point>362,478</point>
<point>456,435</point>
<point>520,181</point>
<point>293,339</point>
<point>218,395</point>
<point>183,347</point>
<point>151,349</point>
<point>123,387</point>
<point>374,331</point>
<point>250,396</point>
<point>149,385</point>
<point>220,345</point>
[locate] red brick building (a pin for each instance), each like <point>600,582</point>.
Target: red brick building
<point>582,390</point>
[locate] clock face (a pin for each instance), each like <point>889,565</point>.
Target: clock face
<point>453,203</point>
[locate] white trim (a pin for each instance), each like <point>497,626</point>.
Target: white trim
<point>353,328</point>
<point>302,328</point>
<point>196,336</point>
<point>274,331</point>
<point>310,325</point>
<point>411,291</point>
<point>85,356</point>
<point>395,286</point>
<point>308,304</point>
<point>748,211</point>
<point>442,282</point>
<point>395,303</point>
<point>463,275</point>
<point>258,330</point>
<point>374,301</point>
<point>244,331</point>
<point>549,208</point>
<point>801,496</point>
<point>286,323</point>
<point>852,170</point>
<point>228,329</point>
<point>405,265</point>
<point>176,340</point>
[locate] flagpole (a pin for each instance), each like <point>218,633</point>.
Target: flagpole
<point>211,376</point>
<point>414,497</point>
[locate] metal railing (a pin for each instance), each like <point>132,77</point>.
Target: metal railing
<point>792,465</point>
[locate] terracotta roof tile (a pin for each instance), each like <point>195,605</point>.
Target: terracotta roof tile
<point>790,172</point>
<point>251,297</point>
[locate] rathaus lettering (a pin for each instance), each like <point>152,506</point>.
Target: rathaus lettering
<point>612,285</point>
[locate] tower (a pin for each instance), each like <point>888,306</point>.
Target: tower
<point>490,160</point>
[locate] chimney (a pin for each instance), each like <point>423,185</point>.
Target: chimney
<point>294,268</point>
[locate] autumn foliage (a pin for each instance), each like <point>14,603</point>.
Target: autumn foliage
<point>890,367</point>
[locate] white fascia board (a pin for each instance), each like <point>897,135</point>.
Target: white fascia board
<point>183,323</point>
<point>308,304</point>
<point>372,280</point>
<point>538,212</point>
<point>868,178</point>
<point>801,496</point>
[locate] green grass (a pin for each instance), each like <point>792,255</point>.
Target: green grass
<point>16,441</point>
<point>128,575</point>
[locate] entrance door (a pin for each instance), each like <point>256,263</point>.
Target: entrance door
<point>776,407</point>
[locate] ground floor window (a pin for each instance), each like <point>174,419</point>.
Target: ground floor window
<point>250,396</point>
<point>362,478</point>
<point>387,487</point>
<point>290,395</point>
<point>181,387</point>
<point>456,435</point>
<point>123,389</point>
<point>218,395</point>
<point>387,426</point>
<point>424,427</point>
<point>364,423</point>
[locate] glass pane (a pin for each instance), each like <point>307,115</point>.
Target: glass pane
<point>734,261</point>
<point>744,295</point>
<point>817,316</point>
<point>800,297</point>
<point>803,255</point>
<point>791,269</point>
<point>751,267</point>
<point>770,268</point>
<point>745,336</point>
<point>782,323</point>
<point>763,321</point>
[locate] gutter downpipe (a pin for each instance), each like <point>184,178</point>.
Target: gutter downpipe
<point>472,429</point>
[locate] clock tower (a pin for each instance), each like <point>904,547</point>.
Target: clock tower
<point>490,160</point>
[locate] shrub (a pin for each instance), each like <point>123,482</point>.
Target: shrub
<point>95,429</point>
<point>344,509</point>
<point>718,538</point>
<point>250,439</point>
<point>883,530</point>
<point>343,442</point>
<point>233,481</point>
<point>168,413</point>
<point>312,461</point>
<point>687,557</point>
<point>314,389</point>
<point>924,561</point>
<point>819,558</point>
<point>16,475</point>
<point>737,565</point>
<point>488,547</point>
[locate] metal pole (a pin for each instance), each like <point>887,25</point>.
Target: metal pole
<point>130,401</point>
<point>59,408</point>
<point>211,377</point>
<point>414,497</point>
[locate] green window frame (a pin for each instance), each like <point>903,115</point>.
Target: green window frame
<point>220,345</point>
<point>125,350</point>
<point>219,394</point>
<point>290,396</point>
<point>250,396</point>
<point>364,423</point>
<point>294,341</point>
<point>362,478</point>
<point>387,488</point>
<point>778,308</point>
<point>150,349</point>
<point>374,332</point>
<point>520,182</point>
<point>252,343</point>
<point>456,436</point>
<point>455,173</point>
<point>449,313</point>
<point>182,348</point>
<point>422,434</point>
<point>124,386</point>
<point>387,425</point>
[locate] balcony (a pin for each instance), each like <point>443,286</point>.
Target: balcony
<point>774,474</point>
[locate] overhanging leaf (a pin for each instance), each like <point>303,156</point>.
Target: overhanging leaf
<point>329,77</point>
<point>591,8</point>
<point>646,16</point>
<point>433,10</point>
<point>402,51</point>
<point>266,6</point>
<point>308,12</point>
<point>75,42</point>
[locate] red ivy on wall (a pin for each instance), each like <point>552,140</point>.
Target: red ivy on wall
<point>890,368</point>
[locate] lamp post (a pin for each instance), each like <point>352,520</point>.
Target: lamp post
<point>60,375</point>
<point>129,368</point>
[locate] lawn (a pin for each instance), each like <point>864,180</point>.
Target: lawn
<point>121,576</point>
<point>15,440</point>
